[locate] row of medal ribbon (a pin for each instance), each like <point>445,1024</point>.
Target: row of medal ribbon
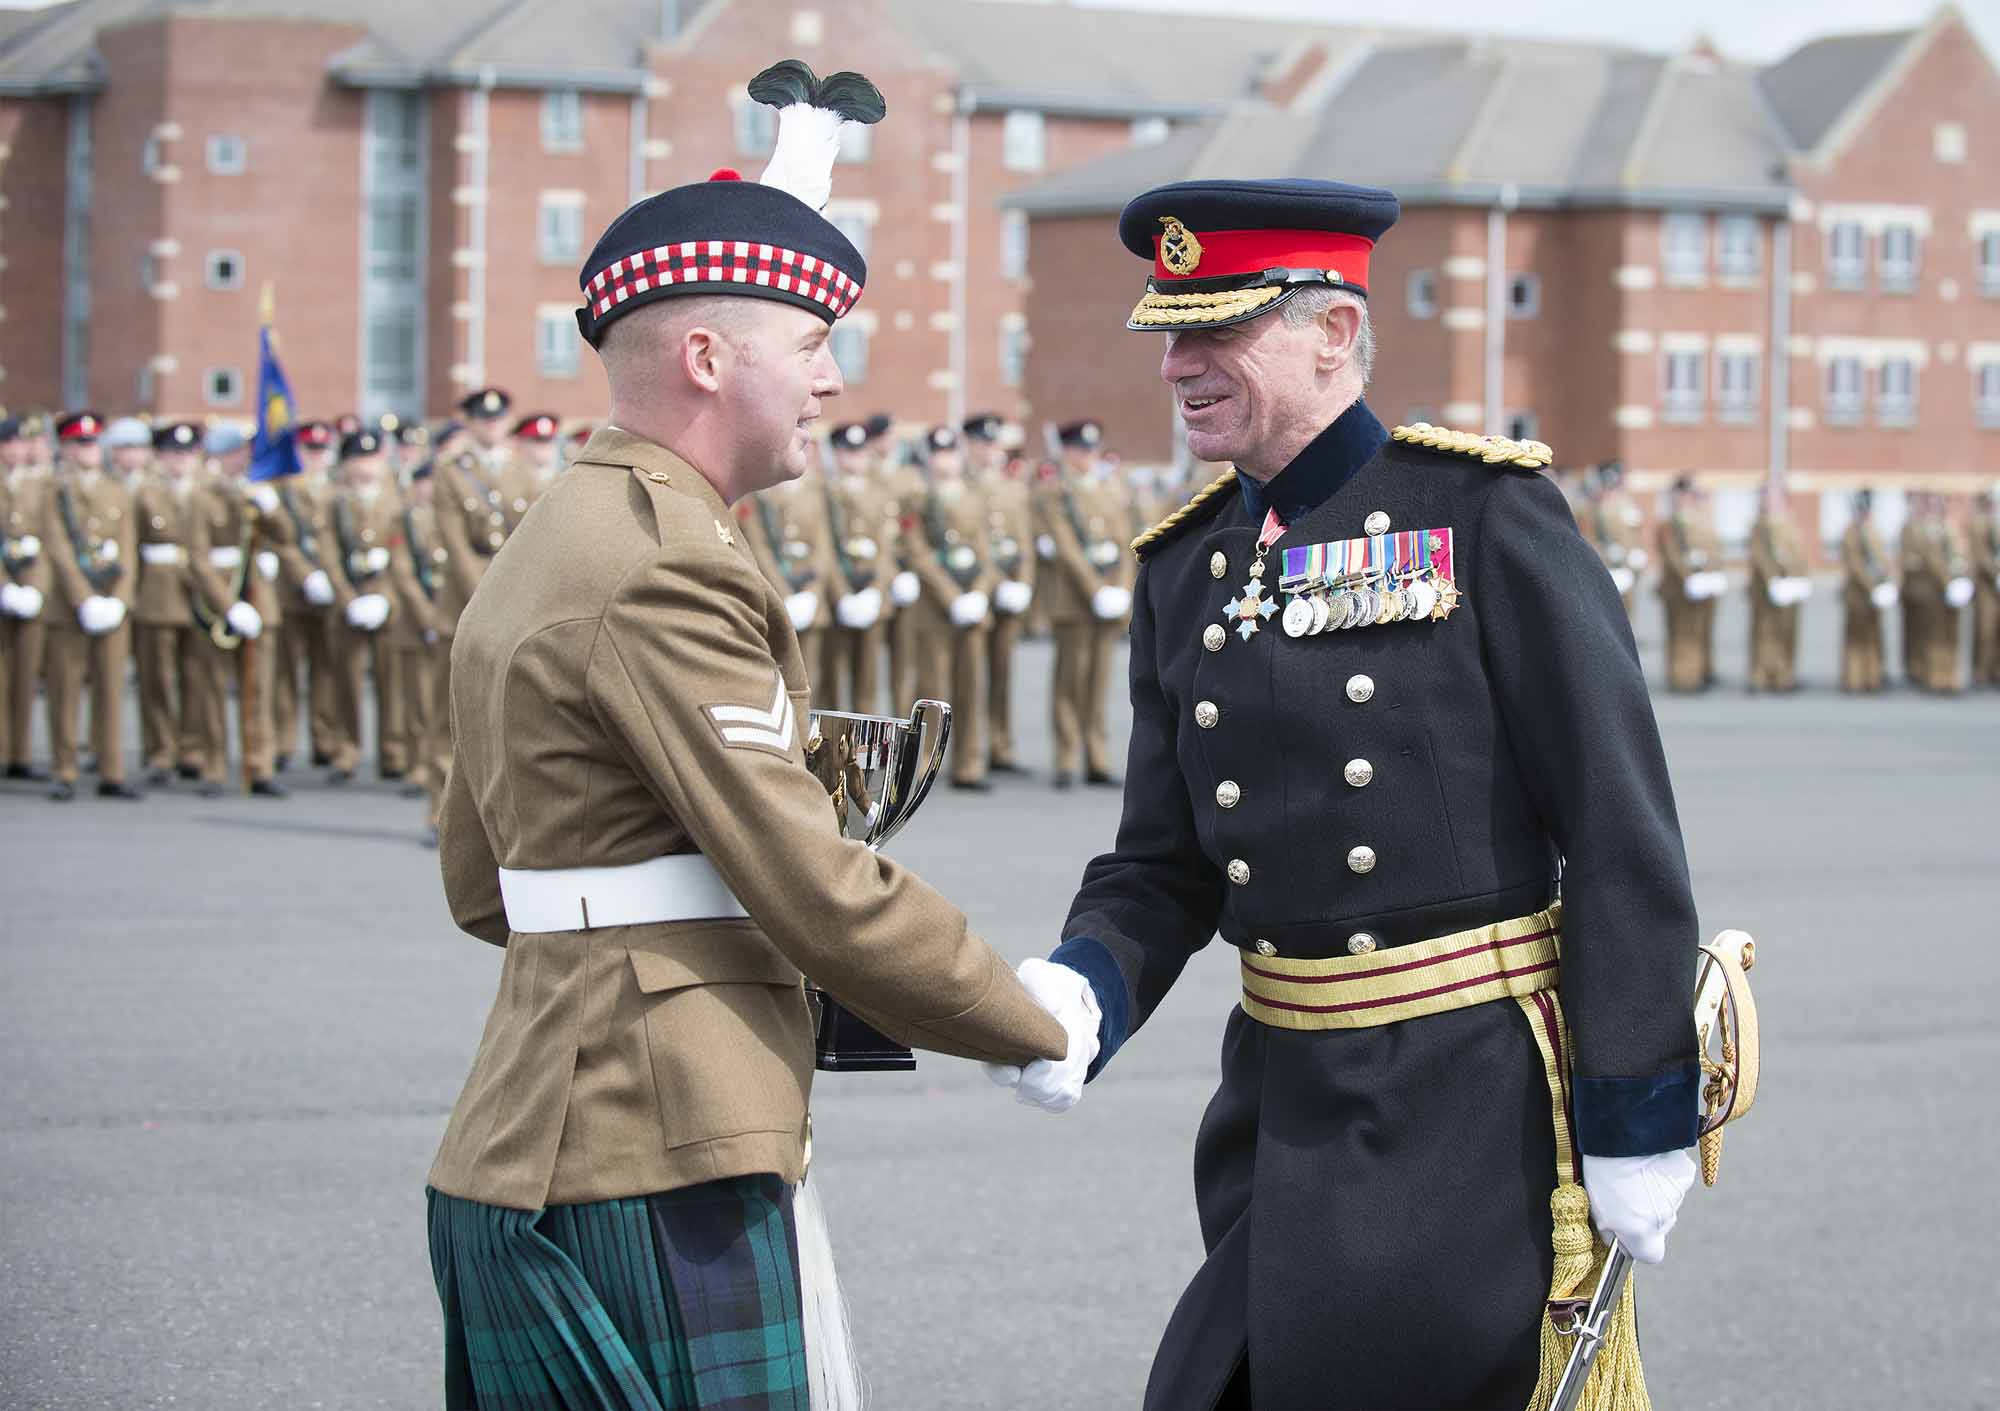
<point>1384,578</point>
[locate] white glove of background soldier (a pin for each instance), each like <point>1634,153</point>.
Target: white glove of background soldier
<point>1055,1087</point>
<point>1883,595</point>
<point>858,612</point>
<point>904,588</point>
<point>969,609</point>
<point>318,588</point>
<point>1110,603</point>
<point>245,621</point>
<point>20,600</point>
<point>1636,1199</point>
<point>1012,597</point>
<point>803,609</point>
<point>368,612</point>
<point>99,615</point>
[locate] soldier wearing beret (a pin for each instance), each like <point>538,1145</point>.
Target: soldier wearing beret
<point>789,535</point>
<point>1986,584</point>
<point>1868,589</point>
<point>163,633</point>
<point>1011,539</point>
<point>1691,581</point>
<point>949,553</point>
<point>1616,528</point>
<point>538,450</point>
<point>629,815</point>
<point>303,652</point>
<point>24,576</point>
<point>1778,588</point>
<point>365,523</point>
<point>414,634</point>
<point>864,533</point>
<point>1383,692</point>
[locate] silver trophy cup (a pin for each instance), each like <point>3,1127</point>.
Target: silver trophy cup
<point>877,770</point>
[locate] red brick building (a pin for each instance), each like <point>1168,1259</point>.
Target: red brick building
<point>1672,261</point>
<point>419,182</point>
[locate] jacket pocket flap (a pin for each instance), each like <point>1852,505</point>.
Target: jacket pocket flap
<point>735,954</point>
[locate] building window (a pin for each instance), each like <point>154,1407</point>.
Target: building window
<point>556,340</point>
<point>1986,395</point>
<point>1739,249</point>
<point>1989,263</point>
<point>1846,398</point>
<point>756,127</point>
<point>224,269</point>
<point>854,140</point>
<point>850,350</point>
<point>1896,393</point>
<point>1736,386</point>
<point>1684,247</point>
<point>1524,296</point>
<point>1847,255</point>
<point>1682,399</point>
<point>1023,141</point>
<point>1421,293</point>
<point>1146,132</point>
<point>1014,244</point>
<point>227,155</point>
<point>1896,259</point>
<point>559,228</point>
<point>1013,355</point>
<point>851,223</point>
<point>149,156</point>
<point>1523,426</point>
<point>562,120</point>
<point>145,387</point>
<point>1948,142</point>
<point>149,271</point>
<point>222,386</point>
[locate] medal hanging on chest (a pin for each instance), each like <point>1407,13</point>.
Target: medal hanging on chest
<point>1250,609</point>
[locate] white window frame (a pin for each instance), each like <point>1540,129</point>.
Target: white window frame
<point>234,377</point>
<point>1840,406</point>
<point>1024,140</point>
<point>756,126</point>
<point>1847,269</point>
<point>220,160</point>
<point>854,223</point>
<point>1524,297</point>
<point>149,155</point>
<point>562,120</point>
<point>1150,132</point>
<point>1986,260</point>
<point>559,227</point>
<point>1683,401</point>
<point>208,272</point>
<point>1420,293</point>
<point>851,333</point>
<point>149,270</point>
<point>558,346</point>
<point>1898,407</point>
<point>1739,249</point>
<point>1014,237</point>
<point>1986,395</point>
<point>1737,405</point>
<point>856,140</point>
<point>1013,354</point>
<point>146,386</point>
<point>1684,249</point>
<point>1897,273</point>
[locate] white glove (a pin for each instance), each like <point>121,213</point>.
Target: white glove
<point>1883,595</point>
<point>1055,1087</point>
<point>264,498</point>
<point>1636,1199</point>
<point>1110,603</point>
<point>1638,558</point>
<point>100,615</point>
<point>368,612</point>
<point>245,621</point>
<point>9,596</point>
<point>1012,597</point>
<point>969,609</point>
<point>1621,579</point>
<point>318,588</point>
<point>19,600</point>
<point>803,609</point>
<point>905,588</point>
<point>1958,592</point>
<point>267,564</point>
<point>1045,545</point>
<point>1778,590</point>
<point>858,612</point>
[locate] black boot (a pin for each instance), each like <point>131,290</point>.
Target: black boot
<point>62,791</point>
<point>269,789</point>
<point>117,789</point>
<point>29,772</point>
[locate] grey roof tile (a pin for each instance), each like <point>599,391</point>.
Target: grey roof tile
<point>1812,86</point>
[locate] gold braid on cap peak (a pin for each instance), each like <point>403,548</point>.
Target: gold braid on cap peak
<point>1494,450</point>
<point>1209,494</point>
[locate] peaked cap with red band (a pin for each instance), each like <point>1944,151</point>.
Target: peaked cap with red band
<point>79,427</point>
<point>1227,251</point>
<point>539,427</point>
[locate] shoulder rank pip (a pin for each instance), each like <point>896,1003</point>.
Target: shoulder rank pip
<point>1494,450</point>
<point>1207,501</point>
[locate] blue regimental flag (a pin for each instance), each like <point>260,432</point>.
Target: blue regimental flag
<point>274,451</point>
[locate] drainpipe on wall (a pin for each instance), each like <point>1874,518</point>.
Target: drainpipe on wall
<point>76,256</point>
<point>1496,308</point>
<point>1781,357</point>
<point>961,239</point>
<point>635,177</point>
<point>475,277</point>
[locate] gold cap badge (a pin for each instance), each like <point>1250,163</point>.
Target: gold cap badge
<point>1180,252</point>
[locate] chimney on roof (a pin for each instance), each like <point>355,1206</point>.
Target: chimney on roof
<point>1287,74</point>
<point>1703,49</point>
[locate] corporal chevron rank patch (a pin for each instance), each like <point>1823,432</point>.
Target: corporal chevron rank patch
<point>769,728</point>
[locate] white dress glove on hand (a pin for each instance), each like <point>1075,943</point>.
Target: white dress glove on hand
<point>803,609</point>
<point>858,612</point>
<point>1636,1199</point>
<point>368,612</point>
<point>904,588</point>
<point>1884,595</point>
<point>318,588</point>
<point>1958,592</point>
<point>1012,597</point>
<point>99,615</point>
<point>264,498</point>
<point>1055,1087</point>
<point>1638,558</point>
<point>19,600</point>
<point>1110,603</point>
<point>969,609</point>
<point>1621,579</point>
<point>245,621</point>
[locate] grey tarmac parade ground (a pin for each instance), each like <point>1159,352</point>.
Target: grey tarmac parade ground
<point>230,1033</point>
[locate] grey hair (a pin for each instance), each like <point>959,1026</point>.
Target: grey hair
<point>1314,300</point>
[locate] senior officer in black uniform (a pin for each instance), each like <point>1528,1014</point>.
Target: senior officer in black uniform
<point>1383,695</point>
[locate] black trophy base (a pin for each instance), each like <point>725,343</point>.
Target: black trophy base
<point>846,1043</point>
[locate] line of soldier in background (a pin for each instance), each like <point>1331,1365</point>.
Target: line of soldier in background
<point>1940,567</point>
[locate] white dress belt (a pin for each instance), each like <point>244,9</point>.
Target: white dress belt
<point>682,887</point>
<point>162,554</point>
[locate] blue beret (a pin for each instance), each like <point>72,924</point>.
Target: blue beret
<point>223,438</point>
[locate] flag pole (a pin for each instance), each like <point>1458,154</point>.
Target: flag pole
<point>249,698</point>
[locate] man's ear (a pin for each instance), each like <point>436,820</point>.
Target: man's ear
<point>1342,326</point>
<point>703,353</point>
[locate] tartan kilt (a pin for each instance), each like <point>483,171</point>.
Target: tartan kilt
<point>683,1301</point>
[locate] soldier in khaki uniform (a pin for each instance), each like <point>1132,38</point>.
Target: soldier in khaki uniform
<point>864,533</point>
<point>629,815</point>
<point>415,630</point>
<point>1615,526</point>
<point>906,489</point>
<point>1778,587</point>
<point>1087,584</point>
<point>1690,580</point>
<point>1936,587</point>
<point>1010,539</point>
<point>163,631</point>
<point>89,533</point>
<point>1986,589</point>
<point>365,524</point>
<point>24,577</point>
<point>1868,588</point>
<point>303,652</point>
<point>950,555</point>
<point>790,537</point>
<point>537,452</point>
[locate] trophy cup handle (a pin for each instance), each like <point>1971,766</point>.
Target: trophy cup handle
<point>932,720</point>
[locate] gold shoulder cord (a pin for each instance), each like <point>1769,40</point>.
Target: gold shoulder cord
<point>1167,526</point>
<point>1494,450</point>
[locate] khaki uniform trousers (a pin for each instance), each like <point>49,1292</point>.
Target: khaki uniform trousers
<point>305,652</point>
<point>221,672</point>
<point>1001,638</point>
<point>167,667</point>
<point>903,651</point>
<point>415,670</point>
<point>1774,645</point>
<point>354,654</point>
<point>951,666</point>
<point>1690,643</point>
<point>26,651</point>
<point>1986,634</point>
<point>72,656</point>
<point>1863,663</point>
<point>437,736</point>
<point>849,675</point>
<point>1082,677</point>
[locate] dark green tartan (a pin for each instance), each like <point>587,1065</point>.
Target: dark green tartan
<point>683,1301</point>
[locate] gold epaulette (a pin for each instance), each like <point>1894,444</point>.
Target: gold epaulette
<point>1166,528</point>
<point>1494,450</point>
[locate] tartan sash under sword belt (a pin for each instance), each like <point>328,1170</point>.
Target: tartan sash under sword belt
<point>101,573</point>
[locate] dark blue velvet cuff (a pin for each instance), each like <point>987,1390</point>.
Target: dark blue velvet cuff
<point>1637,1116</point>
<point>1090,959</point>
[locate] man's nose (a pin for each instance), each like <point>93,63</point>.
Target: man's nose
<point>1179,361</point>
